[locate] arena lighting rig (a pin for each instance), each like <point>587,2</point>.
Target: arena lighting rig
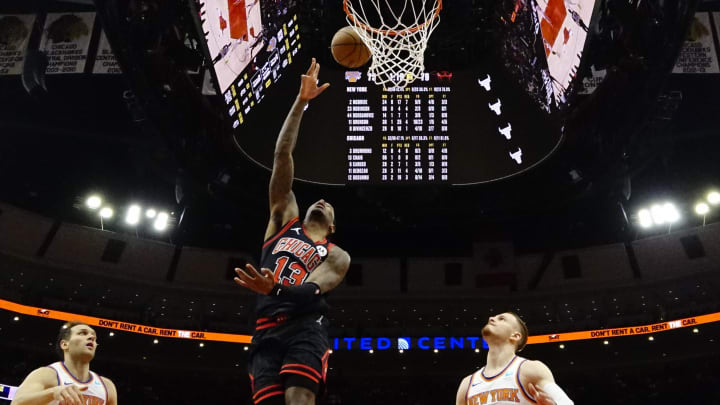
<point>369,343</point>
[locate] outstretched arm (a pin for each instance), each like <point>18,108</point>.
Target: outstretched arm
<point>283,206</point>
<point>537,377</point>
<point>324,278</point>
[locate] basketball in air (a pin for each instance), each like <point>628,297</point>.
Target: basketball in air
<point>348,49</point>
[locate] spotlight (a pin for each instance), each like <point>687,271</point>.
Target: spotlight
<point>161,221</point>
<point>202,344</point>
<point>713,198</point>
<point>401,351</point>
<point>111,334</point>
<point>155,341</point>
<point>651,338</point>
<point>671,213</point>
<point>702,208</point>
<point>695,330</point>
<point>106,212</point>
<point>93,202</point>
<point>477,350</point>
<point>151,213</point>
<point>646,220</point>
<point>435,351</point>
<point>658,214</point>
<point>133,215</point>
<point>17,318</point>
<point>371,351</point>
<point>605,342</point>
<point>562,346</point>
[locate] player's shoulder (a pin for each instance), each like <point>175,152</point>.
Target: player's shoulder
<point>277,227</point>
<point>534,369</point>
<point>108,382</point>
<point>338,252</point>
<point>45,375</point>
<point>111,390</point>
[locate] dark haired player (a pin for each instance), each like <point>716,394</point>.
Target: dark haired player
<point>290,347</point>
<point>70,381</point>
<point>506,377</point>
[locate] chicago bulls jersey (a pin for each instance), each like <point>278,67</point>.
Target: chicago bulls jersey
<point>292,256</point>
<point>96,393</point>
<point>503,388</point>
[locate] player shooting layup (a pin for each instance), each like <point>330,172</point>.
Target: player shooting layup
<point>507,378</point>
<point>290,346</point>
<point>69,382</point>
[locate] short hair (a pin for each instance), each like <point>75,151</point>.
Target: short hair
<point>64,334</point>
<point>523,331</point>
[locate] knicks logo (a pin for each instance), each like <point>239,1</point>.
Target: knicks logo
<point>492,396</point>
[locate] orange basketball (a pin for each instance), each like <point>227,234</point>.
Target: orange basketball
<point>348,49</point>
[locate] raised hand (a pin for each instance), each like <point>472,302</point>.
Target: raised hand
<point>255,281</point>
<point>309,83</point>
<point>540,396</point>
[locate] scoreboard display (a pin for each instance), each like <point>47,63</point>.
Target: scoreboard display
<point>455,127</point>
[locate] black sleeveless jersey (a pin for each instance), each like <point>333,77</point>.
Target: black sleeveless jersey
<point>291,255</point>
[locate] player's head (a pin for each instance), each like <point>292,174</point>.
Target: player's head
<point>76,340</point>
<point>506,328</point>
<point>322,213</point>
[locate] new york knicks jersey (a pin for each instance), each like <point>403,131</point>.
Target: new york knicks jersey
<point>292,256</point>
<point>503,388</point>
<point>96,393</point>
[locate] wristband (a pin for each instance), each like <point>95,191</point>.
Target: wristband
<point>299,294</point>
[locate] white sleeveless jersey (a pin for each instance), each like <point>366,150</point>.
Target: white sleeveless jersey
<point>96,394</point>
<point>503,388</point>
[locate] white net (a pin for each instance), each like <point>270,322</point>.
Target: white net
<point>397,33</point>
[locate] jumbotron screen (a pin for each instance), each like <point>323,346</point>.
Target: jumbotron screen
<point>455,127</point>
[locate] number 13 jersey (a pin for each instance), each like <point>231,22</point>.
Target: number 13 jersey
<point>291,255</point>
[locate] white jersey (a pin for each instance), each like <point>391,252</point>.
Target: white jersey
<point>503,388</point>
<point>96,394</point>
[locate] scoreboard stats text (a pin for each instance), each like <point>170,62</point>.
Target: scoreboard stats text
<point>397,135</point>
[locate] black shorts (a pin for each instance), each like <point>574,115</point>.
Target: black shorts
<point>290,352</point>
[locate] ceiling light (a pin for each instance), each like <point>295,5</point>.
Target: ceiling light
<point>93,202</point>
<point>702,208</point>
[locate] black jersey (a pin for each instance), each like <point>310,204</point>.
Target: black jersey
<point>291,255</point>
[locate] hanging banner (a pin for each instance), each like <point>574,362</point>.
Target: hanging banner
<point>698,54</point>
<point>105,61</point>
<point>15,30</point>
<point>592,82</point>
<point>66,40</point>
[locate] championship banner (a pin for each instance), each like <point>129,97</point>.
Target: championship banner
<point>105,61</point>
<point>66,40</point>
<point>698,54</point>
<point>424,343</point>
<point>15,30</point>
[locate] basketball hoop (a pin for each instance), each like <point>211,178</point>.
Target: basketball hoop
<point>399,38</point>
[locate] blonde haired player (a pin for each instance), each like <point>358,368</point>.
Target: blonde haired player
<point>70,381</point>
<point>506,377</point>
